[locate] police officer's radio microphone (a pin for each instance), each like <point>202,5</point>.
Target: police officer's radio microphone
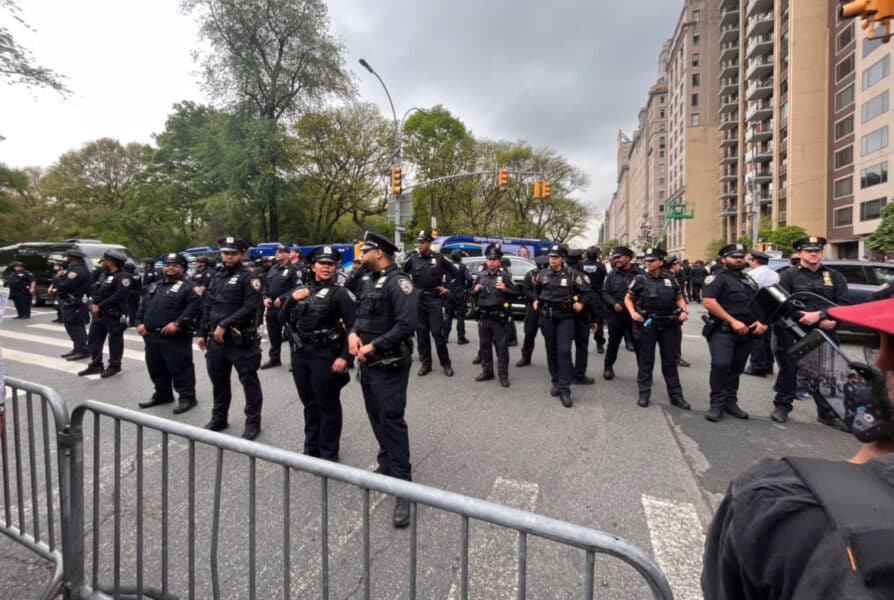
<point>855,391</point>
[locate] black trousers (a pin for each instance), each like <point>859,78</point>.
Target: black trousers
<point>23,304</point>
<point>669,337</point>
<point>320,392</point>
<point>385,396</point>
<point>74,317</point>
<point>274,332</point>
<point>558,332</point>
<point>221,359</point>
<point>100,328</point>
<point>532,322</point>
<point>762,353</point>
<point>492,336</point>
<point>511,331</point>
<point>787,377</point>
<point>729,353</point>
<point>169,362</point>
<point>620,325</point>
<point>581,343</point>
<point>697,290</point>
<point>454,308</point>
<point>598,316</point>
<point>431,323</point>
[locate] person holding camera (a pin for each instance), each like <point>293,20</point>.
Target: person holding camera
<point>796,528</point>
<point>817,287</point>
<point>228,335</point>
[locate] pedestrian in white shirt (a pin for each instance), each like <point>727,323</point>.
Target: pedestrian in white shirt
<point>761,363</point>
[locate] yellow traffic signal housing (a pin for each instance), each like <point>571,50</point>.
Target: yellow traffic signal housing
<point>858,8</point>
<point>546,189</point>
<point>537,193</point>
<point>396,188</point>
<point>876,16</point>
<point>503,177</point>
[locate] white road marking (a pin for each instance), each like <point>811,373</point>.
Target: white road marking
<point>493,550</point>
<point>129,336</point>
<point>57,364</point>
<point>678,543</point>
<point>50,341</point>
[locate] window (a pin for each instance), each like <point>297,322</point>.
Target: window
<point>661,206</point>
<point>852,273</point>
<point>696,120</point>
<point>661,142</point>
<point>662,99</point>
<point>842,217</point>
<point>877,72</point>
<point>845,37</point>
<point>845,68</point>
<point>844,127</point>
<point>661,181</point>
<point>695,59</point>
<point>661,154</point>
<point>696,79</point>
<point>882,274</point>
<point>696,39</point>
<point>875,107</point>
<point>844,157</point>
<point>870,45</point>
<point>844,97</point>
<point>661,114</point>
<point>844,187</point>
<point>872,209</point>
<point>874,141</point>
<point>661,197</point>
<point>694,99</point>
<point>696,15</point>
<point>874,175</point>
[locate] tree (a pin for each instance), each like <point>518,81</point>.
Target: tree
<point>24,214</point>
<point>17,64</point>
<point>784,237</point>
<point>882,239</point>
<point>713,249</point>
<point>270,60</point>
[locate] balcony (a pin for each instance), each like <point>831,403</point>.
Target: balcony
<point>729,16</point>
<point>729,33</point>
<point>760,89</point>
<point>728,158</point>
<point>729,175</point>
<point>728,194</point>
<point>759,112</point>
<point>728,103</point>
<point>759,24</point>
<point>729,52</point>
<point>759,46</point>
<point>758,6</point>
<point>728,211</point>
<point>760,132</point>
<point>759,155</point>
<point>729,141</point>
<point>759,176</point>
<point>729,85</point>
<point>759,67</point>
<point>729,120</point>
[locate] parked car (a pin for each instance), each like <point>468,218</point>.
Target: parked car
<point>35,254</point>
<point>518,265</point>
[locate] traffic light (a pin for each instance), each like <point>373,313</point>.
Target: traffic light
<point>396,188</point>
<point>537,192</point>
<point>876,15</point>
<point>503,177</point>
<point>858,8</point>
<point>546,189</point>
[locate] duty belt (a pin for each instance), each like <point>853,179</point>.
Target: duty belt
<point>317,337</point>
<point>430,292</point>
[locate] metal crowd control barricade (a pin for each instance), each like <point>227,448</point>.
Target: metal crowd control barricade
<point>284,463</point>
<point>32,488</point>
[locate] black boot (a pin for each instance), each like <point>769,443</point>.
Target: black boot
<point>565,399</point>
<point>524,361</point>
<point>401,516</point>
<point>91,370</point>
<point>155,401</point>
<point>184,405</point>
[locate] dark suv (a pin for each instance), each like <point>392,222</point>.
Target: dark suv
<point>35,254</point>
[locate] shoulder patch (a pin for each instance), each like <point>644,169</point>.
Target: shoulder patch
<point>256,283</point>
<point>125,282</point>
<point>72,274</point>
<point>709,279</point>
<point>406,286</point>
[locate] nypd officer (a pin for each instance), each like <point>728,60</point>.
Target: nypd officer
<point>596,271</point>
<point>149,273</point>
<point>455,303</point>
<point>494,290</point>
<point>382,341</point>
<point>532,318</point>
<point>614,290</point>
<point>281,278</point>
<point>72,293</point>
<point>582,325</point>
<point>809,276</point>
<point>672,265</point>
<point>109,310</point>
<point>202,276</point>
<point>428,271</point>
<point>168,314</point>
<point>21,286</point>
<point>727,295</point>
<point>560,293</point>
<point>228,333</point>
<point>318,316</point>
<point>656,305</point>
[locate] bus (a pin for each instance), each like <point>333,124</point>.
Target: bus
<point>474,245</point>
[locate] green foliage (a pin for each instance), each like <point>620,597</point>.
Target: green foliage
<point>882,239</point>
<point>713,249</point>
<point>746,241</point>
<point>784,237</point>
<point>608,245</point>
<point>17,66</point>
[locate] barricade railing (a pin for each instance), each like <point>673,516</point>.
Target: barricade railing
<point>192,440</point>
<point>33,490</point>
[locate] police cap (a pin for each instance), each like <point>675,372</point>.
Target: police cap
<point>557,250</point>
<point>542,260</point>
<point>575,255</point>
<point>231,244</point>
<point>148,260</point>
<point>203,259</point>
<point>760,255</point>
<point>374,241</point>
<point>174,258</point>
<point>425,236</point>
<point>283,248</point>
<point>733,250</point>
<point>116,256</point>
<point>74,253</point>
<point>594,251</point>
<point>17,263</point>
<point>670,261</point>
<point>324,254</point>
<point>622,251</point>
<point>654,253</point>
<point>810,243</point>
<point>493,251</point>
<point>457,254</point>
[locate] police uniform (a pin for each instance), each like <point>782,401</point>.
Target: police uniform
<point>828,284</point>
<point>557,292</point>
<point>232,302</point>
<point>532,317</point>
<point>582,321</point>
<point>386,318</point>
<point>455,304</point>
<point>110,302</point>
<point>19,284</point>
<point>493,314</point>
<point>55,280</point>
<point>317,327</point>
<point>619,323</point>
<point>428,274</point>
<point>201,278</point>
<point>597,272</point>
<point>669,265</point>
<point>657,298</point>
<point>169,353</point>
<point>72,294</point>
<point>733,291</point>
<point>511,332</point>
<point>150,275</point>
<point>279,281</point>
<point>697,275</point>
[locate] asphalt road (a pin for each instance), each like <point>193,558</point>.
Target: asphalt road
<point>651,476</point>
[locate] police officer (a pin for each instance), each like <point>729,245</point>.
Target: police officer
<point>809,276</point>
<point>318,316</point>
<point>382,341</point>
<point>455,303</point>
<point>614,290</point>
<point>58,275</point>
<point>281,279</point>
<point>731,331</point>
<point>150,275</point>
<point>672,265</point>
<point>596,271</point>
<point>201,278</point>
<point>228,334</point>
<point>560,292</point>
<point>493,290</point>
<point>168,314</point>
<point>697,276</point>
<point>582,325</point>
<point>109,310</point>
<point>21,286</point>
<point>136,291</point>
<point>72,292</point>
<point>428,271</point>
<point>511,332</point>
<point>297,263</point>
<point>532,317</point>
<point>656,305</point>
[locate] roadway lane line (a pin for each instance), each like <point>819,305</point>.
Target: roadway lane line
<point>50,341</point>
<point>678,543</point>
<point>493,550</point>
<point>129,336</point>
<point>40,360</point>
<point>11,310</point>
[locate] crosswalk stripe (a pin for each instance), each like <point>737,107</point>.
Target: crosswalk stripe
<point>128,336</point>
<point>678,543</point>
<point>56,364</point>
<point>49,341</point>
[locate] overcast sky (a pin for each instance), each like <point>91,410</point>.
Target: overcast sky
<point>565,74</point>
